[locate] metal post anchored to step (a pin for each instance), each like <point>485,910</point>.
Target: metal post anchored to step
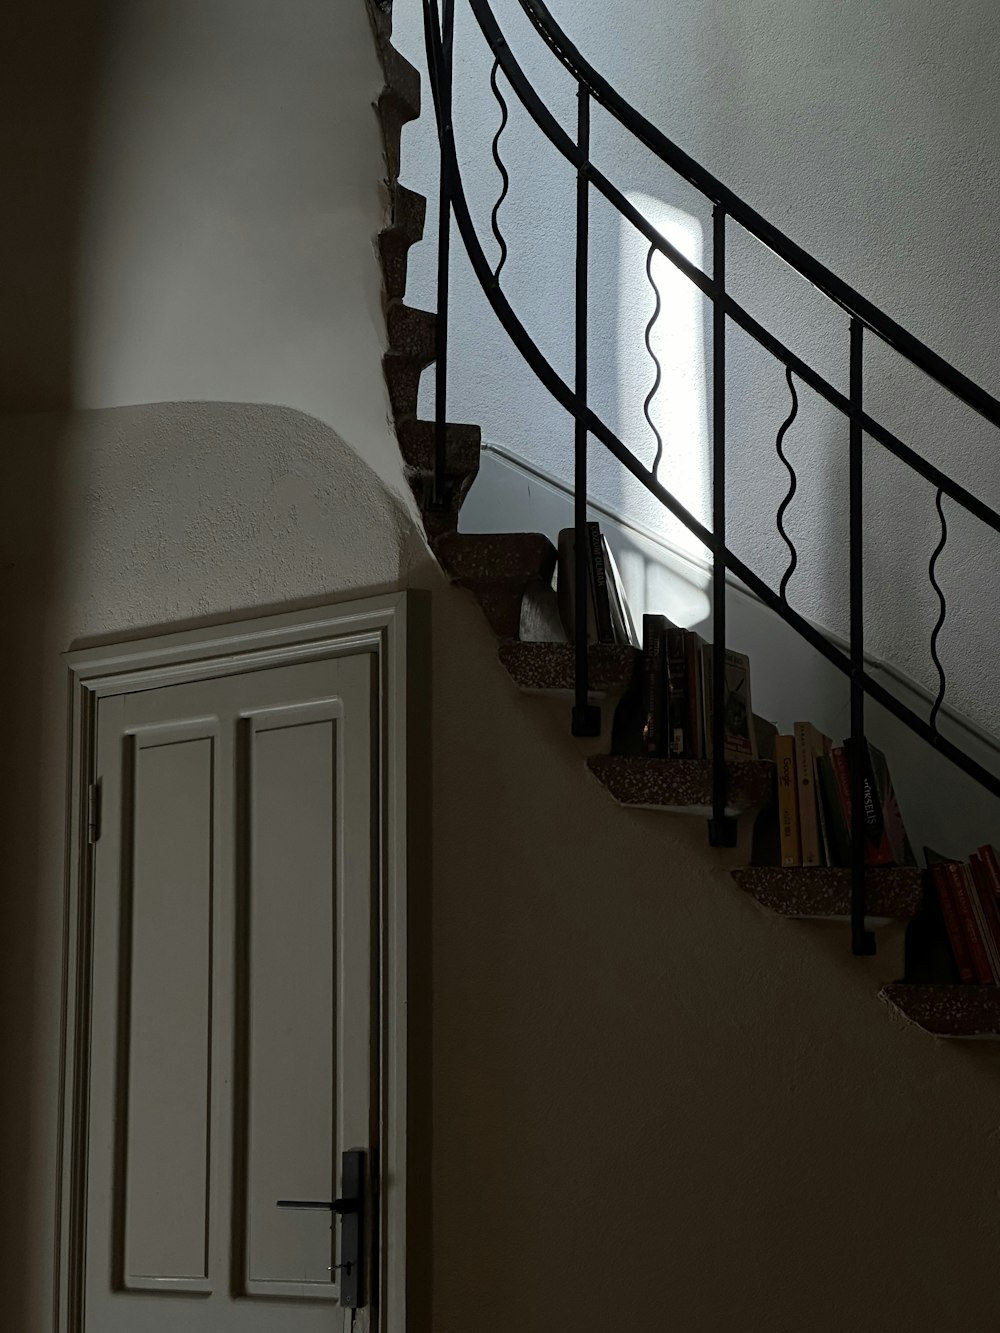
<point>586,716</point>
<point>439,498</point>
<point>862,940</point>
<point>721,828</point>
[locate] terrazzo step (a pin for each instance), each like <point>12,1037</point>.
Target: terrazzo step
<point>823,893</point>
<point>411,331</point>
<point>398,104</point>
<point>409,211</point>
<point>497,567</point>
<point>399,100</point>
<point>402,379</point>
<point>443,520</point>
<point>970,1012</point>
<point>551,667</point>
<point>462,445</point>
<point>681,786</point>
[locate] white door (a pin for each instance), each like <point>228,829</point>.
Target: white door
<point>232,1032</point>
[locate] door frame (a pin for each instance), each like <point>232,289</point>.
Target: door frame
<point>392,628</point>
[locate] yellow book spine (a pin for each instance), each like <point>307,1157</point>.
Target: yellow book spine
<point>788,801</point>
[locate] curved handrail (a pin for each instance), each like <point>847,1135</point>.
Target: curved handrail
<point>888,329</point>
<point>564,145</point>
<point>568,399</point>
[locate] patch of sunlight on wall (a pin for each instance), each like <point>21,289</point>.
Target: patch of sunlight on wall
<point>680,408</point>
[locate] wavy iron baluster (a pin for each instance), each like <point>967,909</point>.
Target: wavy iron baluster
<point>943,684</point>
<point>505,116</point>
<point>792,487</point>
<point>659,371</point>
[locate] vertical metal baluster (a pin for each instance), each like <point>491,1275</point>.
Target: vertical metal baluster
<point>439,500</point>
<point>862,940</point>
<point>721,829</point>
<point>586,716</point>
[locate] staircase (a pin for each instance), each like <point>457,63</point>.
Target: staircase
<point>497,569</point>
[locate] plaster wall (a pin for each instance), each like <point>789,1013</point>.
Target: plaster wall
<point>608,1014</point>
<point>193,189</point>
<point>869,134</point>
<point>651,1102</point>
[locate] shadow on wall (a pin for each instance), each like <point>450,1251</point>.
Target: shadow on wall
<point>49,76</point>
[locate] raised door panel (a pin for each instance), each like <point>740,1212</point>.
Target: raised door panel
<point>291,891</point>
<point>168,988</point>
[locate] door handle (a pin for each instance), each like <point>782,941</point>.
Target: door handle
<point>351,1209</point>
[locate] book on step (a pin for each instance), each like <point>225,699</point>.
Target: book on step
<point>810,743</point>
<point>788,801</point>
<point>609,619</point>
<point>655,688</point>
<point>968,895</point>
<point>740,737</point>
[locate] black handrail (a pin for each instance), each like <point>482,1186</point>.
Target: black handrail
<point>562,142</point>
<point>564,395</point>
<point>588,422</point>
<point>856,305</point>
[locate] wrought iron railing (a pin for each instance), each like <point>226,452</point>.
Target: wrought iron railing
<point>864,316</point>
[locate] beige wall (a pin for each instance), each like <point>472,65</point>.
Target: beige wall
<point>611,1020</point>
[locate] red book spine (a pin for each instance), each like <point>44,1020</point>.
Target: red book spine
<point>956,936</point>
<point>984,891</point>
<point>977,949</point>
<point>877,852</point>
<point>989,859</point>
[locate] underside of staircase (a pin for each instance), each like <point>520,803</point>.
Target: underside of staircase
<point>497,569</point>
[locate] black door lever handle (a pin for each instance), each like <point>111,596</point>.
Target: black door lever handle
<point>352,1237</point>
<point>340,1206</point>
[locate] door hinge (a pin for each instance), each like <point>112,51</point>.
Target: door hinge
<point>93,812</point>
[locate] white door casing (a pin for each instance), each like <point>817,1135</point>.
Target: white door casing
<point>235,972</point>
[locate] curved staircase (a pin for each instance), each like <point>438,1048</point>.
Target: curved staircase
<point>498,568</point>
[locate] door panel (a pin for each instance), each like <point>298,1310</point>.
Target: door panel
<point>291,908</point>
<point>231,1010</point>
<point>167,977</point>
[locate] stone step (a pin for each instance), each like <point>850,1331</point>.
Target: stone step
<point>972,1012</point>
<point>823,893</point>
<point>552,666</point>
<point>497,567</point>
<point>681,786</point>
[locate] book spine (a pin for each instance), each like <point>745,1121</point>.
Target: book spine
<point>566,582</point>
<point>614,600</point>
<point>706,699</point>
<point>741,743</point>
<point>679,709</point>
<point>825,836</point>
<point>618,591</point>
<point>808,814</point>
<point>952,924</point>
<point>989,859</point>
<point>788,801</point>
<point>963,902</point>
<point>828,791</point>
<point>654,684</point>
<point>878,851</point>
<point>695,748</point>
<point>599,586</point>
<point>892,816</point>
<point>990,916</point>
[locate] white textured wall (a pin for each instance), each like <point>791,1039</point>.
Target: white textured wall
<point>869,134</point>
